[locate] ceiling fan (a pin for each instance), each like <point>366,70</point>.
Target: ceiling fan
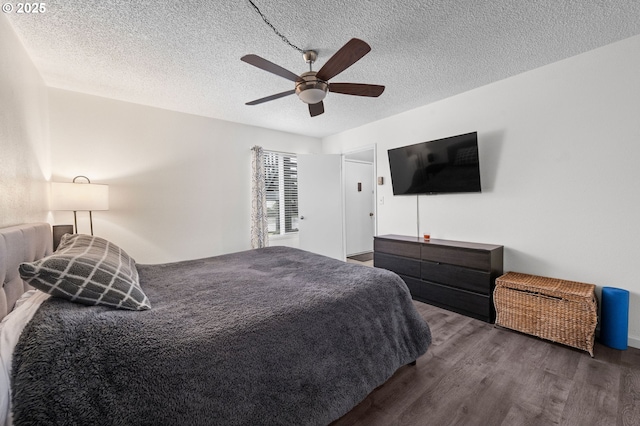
<point>312,86</point>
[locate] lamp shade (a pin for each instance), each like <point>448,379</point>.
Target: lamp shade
<point>79,196</point>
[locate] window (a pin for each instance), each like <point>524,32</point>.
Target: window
<point>281,182</point>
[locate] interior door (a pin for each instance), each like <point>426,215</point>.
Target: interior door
<point>359,206</point>
<point>320,204</point>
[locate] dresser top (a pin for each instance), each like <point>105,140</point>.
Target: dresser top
<point>437,242</point>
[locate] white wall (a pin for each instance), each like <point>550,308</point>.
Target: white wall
<point>179,184</point>
<point>24,140</point>
<point>559,156</point>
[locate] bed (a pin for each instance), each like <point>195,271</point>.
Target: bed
<point>270,336</point>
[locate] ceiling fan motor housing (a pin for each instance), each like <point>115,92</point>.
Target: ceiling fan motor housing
<point>310,89</point>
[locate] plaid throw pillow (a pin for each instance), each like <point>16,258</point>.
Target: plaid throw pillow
<point>88,270</point>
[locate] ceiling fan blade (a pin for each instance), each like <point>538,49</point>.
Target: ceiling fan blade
<point>371,90</point>
<point>316,109</point>
<point>272,97</point>
<point>263,64</point>
<point>348,55</point>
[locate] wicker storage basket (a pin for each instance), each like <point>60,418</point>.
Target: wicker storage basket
<point>561,311</point>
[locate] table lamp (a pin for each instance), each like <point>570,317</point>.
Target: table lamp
<point>79,196</point>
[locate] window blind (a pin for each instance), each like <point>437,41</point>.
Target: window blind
<point>281,184</point>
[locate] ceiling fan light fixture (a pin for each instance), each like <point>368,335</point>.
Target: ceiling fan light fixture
<point>312,87</point>
<point>310,90</point>
<point>312,96</point>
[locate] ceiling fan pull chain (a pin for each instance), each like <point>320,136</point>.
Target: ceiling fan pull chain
<point>264,18</point>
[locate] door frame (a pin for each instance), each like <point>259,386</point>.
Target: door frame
<point>374,185</point>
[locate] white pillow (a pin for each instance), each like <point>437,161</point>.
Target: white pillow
<point>10,329</point>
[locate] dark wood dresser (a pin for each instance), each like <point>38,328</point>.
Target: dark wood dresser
<point>453,275</point>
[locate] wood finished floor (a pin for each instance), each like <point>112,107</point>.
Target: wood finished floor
<point>478,374</point>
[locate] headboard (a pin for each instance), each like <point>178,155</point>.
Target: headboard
<point>20,243</point>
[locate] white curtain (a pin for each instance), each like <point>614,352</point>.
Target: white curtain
<point>259,225</point>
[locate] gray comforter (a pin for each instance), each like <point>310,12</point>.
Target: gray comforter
<point>268,336</point>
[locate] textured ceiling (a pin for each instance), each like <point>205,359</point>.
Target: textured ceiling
<point>185,55</point>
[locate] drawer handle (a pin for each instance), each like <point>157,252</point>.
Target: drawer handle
<point>534,293</point>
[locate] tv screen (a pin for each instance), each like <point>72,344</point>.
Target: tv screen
<point>441,166</point>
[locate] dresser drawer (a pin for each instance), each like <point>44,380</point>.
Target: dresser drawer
<point>399,265</point>
<point>399,248</point>
<point>469,258</point>
<point>456,300</point>
<point>416,287</point>
<point>456,276</point>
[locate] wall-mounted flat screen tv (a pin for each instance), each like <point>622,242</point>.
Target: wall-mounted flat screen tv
<point>441,166</point>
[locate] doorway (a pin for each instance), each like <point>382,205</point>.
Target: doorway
<point>360,195</point>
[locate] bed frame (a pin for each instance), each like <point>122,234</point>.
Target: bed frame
<point>20,243</point>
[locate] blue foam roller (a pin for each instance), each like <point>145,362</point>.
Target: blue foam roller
<point>614,318</point>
